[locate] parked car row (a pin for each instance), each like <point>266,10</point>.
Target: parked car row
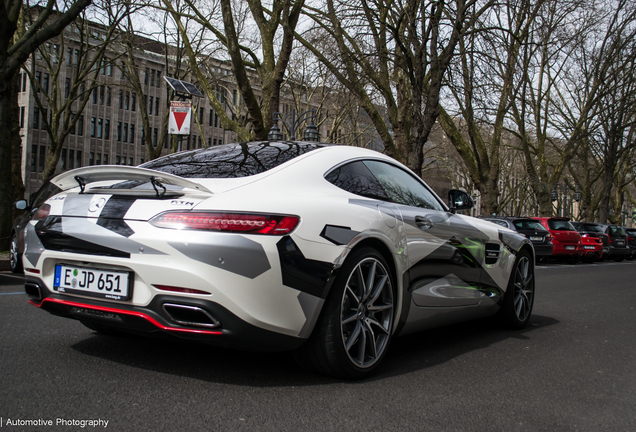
<point>560,238</point>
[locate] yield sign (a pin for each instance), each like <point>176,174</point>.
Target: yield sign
<point>180,115</point>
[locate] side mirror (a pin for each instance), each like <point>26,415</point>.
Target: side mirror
<point>20,205</point>
<point>459,200</point>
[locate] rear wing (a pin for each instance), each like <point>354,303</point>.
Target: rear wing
<point>81,177</point>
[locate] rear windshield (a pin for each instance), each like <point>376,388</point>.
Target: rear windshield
<point>230,160</point>
<point>591,228</point>
<point>560,225</point>
<point>525,224</point>
<point>616,231</point>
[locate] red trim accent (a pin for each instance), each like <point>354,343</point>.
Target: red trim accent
<point>124,312</point>
<point>32,270</point>
<point>179,289</point>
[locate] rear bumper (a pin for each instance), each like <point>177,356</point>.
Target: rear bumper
<point>222,328</point>
<point>618,251</point>
<point>563,250</point>
<point>542,250</point>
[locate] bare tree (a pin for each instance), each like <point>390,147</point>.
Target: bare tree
<point>268,58</point>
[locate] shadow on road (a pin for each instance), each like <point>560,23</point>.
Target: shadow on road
<point>406,354</point>
<point>7,279</point>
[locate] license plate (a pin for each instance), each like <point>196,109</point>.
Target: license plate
<point>106,284</point>
<point>536,238</point>
<point>588,247</point>
<point>620,243</point>
<point>570,247</point>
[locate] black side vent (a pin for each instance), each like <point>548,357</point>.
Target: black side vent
<point>492,253</point>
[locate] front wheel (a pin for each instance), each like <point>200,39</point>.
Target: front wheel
<point>15,259</point>
<point>353,332</point>
<point>519,298</point>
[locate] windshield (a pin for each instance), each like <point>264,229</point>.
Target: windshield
<point>560,225</point>
<point>230,160</point>
<point>527,224</point>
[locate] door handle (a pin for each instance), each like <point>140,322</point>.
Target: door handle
<point>423,223</point>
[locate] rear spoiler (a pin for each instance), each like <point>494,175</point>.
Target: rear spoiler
<point>83,176</point>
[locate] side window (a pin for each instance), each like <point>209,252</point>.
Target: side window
<point>401,187</point>
<point>502,223</point>
<point>356,178</point>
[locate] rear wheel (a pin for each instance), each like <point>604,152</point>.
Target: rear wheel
<point>353,332</point>
<point>15,259</point>
<point>519,298</point>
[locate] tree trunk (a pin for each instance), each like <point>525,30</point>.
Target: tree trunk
<point>11,187</point>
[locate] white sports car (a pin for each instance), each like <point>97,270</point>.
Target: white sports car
<point>327,250</point>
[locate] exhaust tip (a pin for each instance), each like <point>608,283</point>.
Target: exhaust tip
<point>190,315</point>
<point>33,290</point>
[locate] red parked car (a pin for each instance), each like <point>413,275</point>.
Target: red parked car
<point>595,241</point>
<point>566,240</point>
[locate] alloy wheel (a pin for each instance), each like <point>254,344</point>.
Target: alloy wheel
<point>524,289</point>
<point>367,312</point>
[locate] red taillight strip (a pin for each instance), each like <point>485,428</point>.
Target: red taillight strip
<point>123,312</point>
<point>179,289</point>
<point>245,223</point>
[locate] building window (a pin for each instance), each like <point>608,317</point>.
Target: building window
<point>100,128</point>
<point>132,133</point>
<point>105,159</point>
<point>155,136</point>
<point>130,161</point>
<point>152,77</point>
<point>108,96</point>
<point>201,115</point>
<point>67,87</point>
<point>76,58</point>
<point>146,76</point>
<point>92,127</point>
<point>82,91</point>
<point>36,118</point>
<point>211,117</point>
<point>127,100</point>
<point>42,158</point>
<point>158,80</point>
<point>107,129</point>
<point>234,97</point>
<point>34,157</point>
<point>71,159</point>
<point>24,81</point>
<point>69,56</point>
<point>150,98</point>
<point>91,158</point>
<point>63,159</point>
<point>109,68</point>
<point>95,95</point>
<point>121,69</point>
<point>156,106</point>
<point>98,161</point>
<point>133,102</point>
<point>121,99</point>
<point>125,135</point>
<point>101,95</point>
<point>38,81</point>
<point>216,120</point>
<point>80,127</point>
<point>46,83</point>
<point>117,160</point>
<point>21,117</point>
<point>118,131</point>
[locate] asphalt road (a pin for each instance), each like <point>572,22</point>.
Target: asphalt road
<point>572,369</point>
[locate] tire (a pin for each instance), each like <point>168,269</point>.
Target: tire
<point>354,330</point>
<point>15,258</point>
<point>572,259</point>
<point>516,307</point>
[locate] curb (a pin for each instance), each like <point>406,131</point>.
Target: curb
<point>5,265</point>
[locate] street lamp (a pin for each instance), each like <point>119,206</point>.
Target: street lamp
<point>564,189</point>
<point>292,123</point>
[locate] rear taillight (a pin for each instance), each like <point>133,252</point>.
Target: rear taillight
<point>43,212</point>
<point>228,222</point>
